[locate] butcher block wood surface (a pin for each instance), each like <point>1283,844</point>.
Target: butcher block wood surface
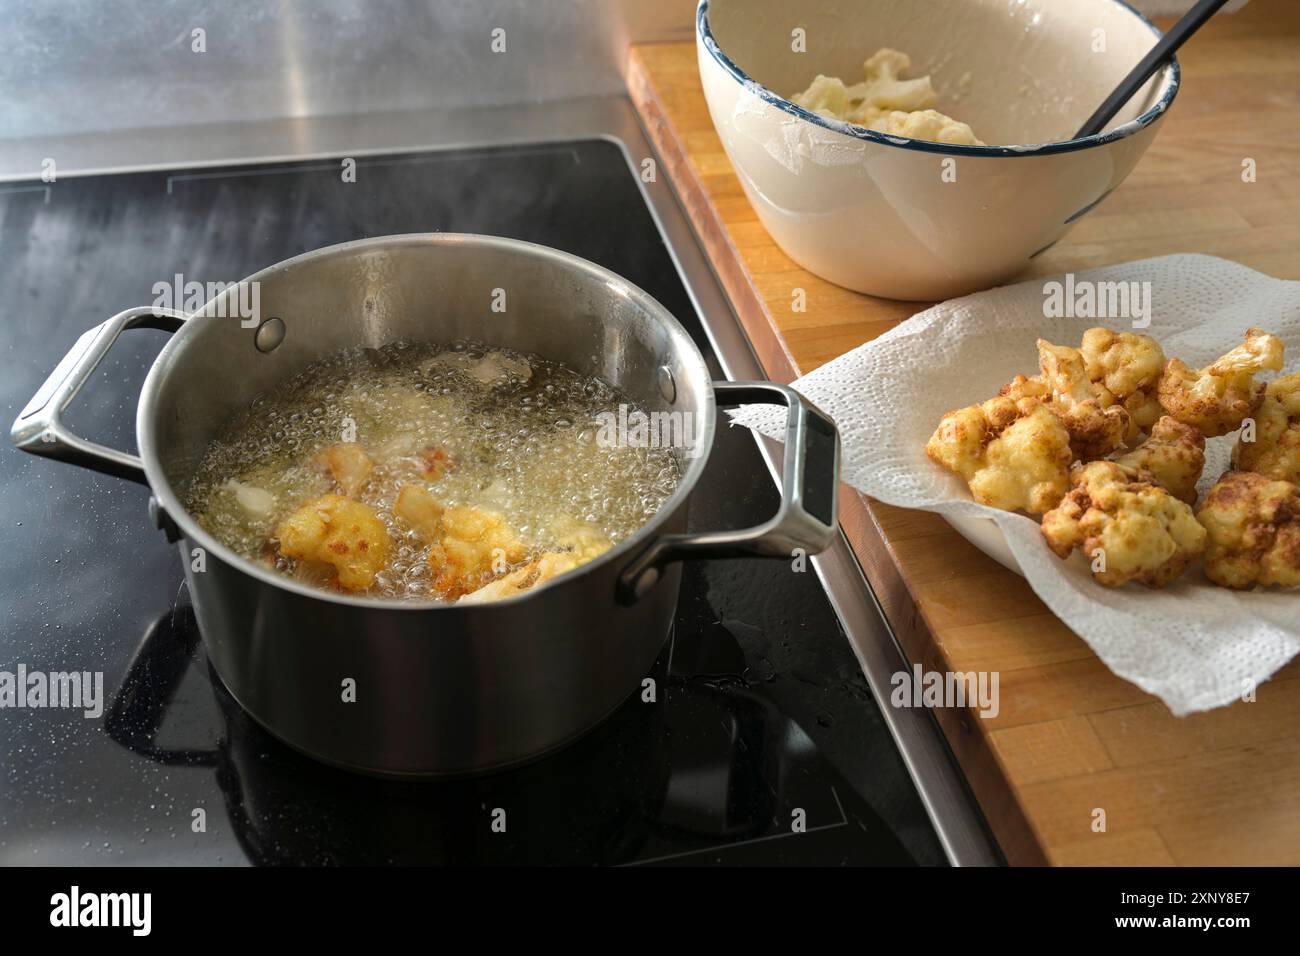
<point>1071,738</point>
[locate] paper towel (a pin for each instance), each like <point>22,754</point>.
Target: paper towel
<point>1192,644</point>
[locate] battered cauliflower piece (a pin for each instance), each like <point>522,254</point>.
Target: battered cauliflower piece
<point>1096,426</point>
<point>476,547</point>
<point>421,510</point>
<point>1021,389</point>
<point>1174,454</point>
<point>340,532</point>
<point>1218,398</point>
<point>929,125</point>
<point>583,542</point>
<point>489,368</point>
<point>257,502</point>
<point>1125,370</point>
<point>1132,529</point>
<point>1095,431</point>
<point>405,454</point>
<point>1275,452</point>
<point>885,102</point>
<point>544,568</point>
<point>468,547</point>
<point>434,462</point>
<point>1253,523</point>
<point>1016,458</point>
<point>347,464</point>
<point>581,538</point>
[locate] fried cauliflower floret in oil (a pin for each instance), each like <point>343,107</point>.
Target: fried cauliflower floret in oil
<point>1174,454</point>
<point>1125,370</point>
<point>1012,458</point>
<point>582,539</point>
<point>1219,397</point>
<point>421,510</point>
<point>468,547</point>
<point>549,565</point>
<point>1095,431</point>
<point>582,542</point>
<point>1254,531</point>
<point>1275,450</point>
<point>1130,528</point>
<point>434,462</point>
<point>476,546</point>
<point>347,464</point>
<point>340,532</point>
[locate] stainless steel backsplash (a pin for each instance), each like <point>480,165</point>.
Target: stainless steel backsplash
<point>74,66</point>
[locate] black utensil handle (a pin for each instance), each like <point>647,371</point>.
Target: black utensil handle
<point>1164,50</point>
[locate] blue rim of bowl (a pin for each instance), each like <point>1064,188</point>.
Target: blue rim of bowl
<point>705,34</point>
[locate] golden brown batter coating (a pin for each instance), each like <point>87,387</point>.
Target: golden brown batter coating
<point>339,532</point>
<point>1095,431</point>
<point>1275,451</point>
<point>347,464</point>
<point>1132,529</point>
<point>1218,398</point>
<point>1013,458</point>
<point>1254,531</point>
<point>1125,370</point>
<point>1174,453</point>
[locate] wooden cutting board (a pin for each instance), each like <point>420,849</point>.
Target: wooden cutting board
<point>1216,788</point>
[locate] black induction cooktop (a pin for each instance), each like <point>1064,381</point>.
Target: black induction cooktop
<point>765,745</point>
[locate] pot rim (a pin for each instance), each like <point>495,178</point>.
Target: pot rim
<point>193,532</point>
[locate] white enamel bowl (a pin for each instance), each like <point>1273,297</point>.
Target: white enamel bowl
<point>907,219</point>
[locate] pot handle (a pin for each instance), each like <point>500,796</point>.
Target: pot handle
<point>806,519</point>
<point>40,430</point>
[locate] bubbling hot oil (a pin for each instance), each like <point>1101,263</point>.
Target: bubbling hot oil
<point>519,435</point>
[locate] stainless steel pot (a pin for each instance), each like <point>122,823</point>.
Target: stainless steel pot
<point>439,689</point>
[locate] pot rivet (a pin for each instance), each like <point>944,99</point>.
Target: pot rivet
<point>667,387</point>
<point>269,334</point>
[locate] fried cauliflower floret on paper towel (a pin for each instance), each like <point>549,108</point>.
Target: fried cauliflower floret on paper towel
<point>347,464</point>
<point>1253,524</point>
<point>1021,389</point>
<point>1125,370</point>
<point>1095,431</point>
<point>1096,428</point>
<point>1275,450</point>
<point>1013,458</point>
<point>1219,397</point>
<point>468,546</point>
<point>1130,528</point>
<point>1174,454</point>
<point>340,532</point>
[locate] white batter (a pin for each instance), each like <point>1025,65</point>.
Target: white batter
<point>885,102</point>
